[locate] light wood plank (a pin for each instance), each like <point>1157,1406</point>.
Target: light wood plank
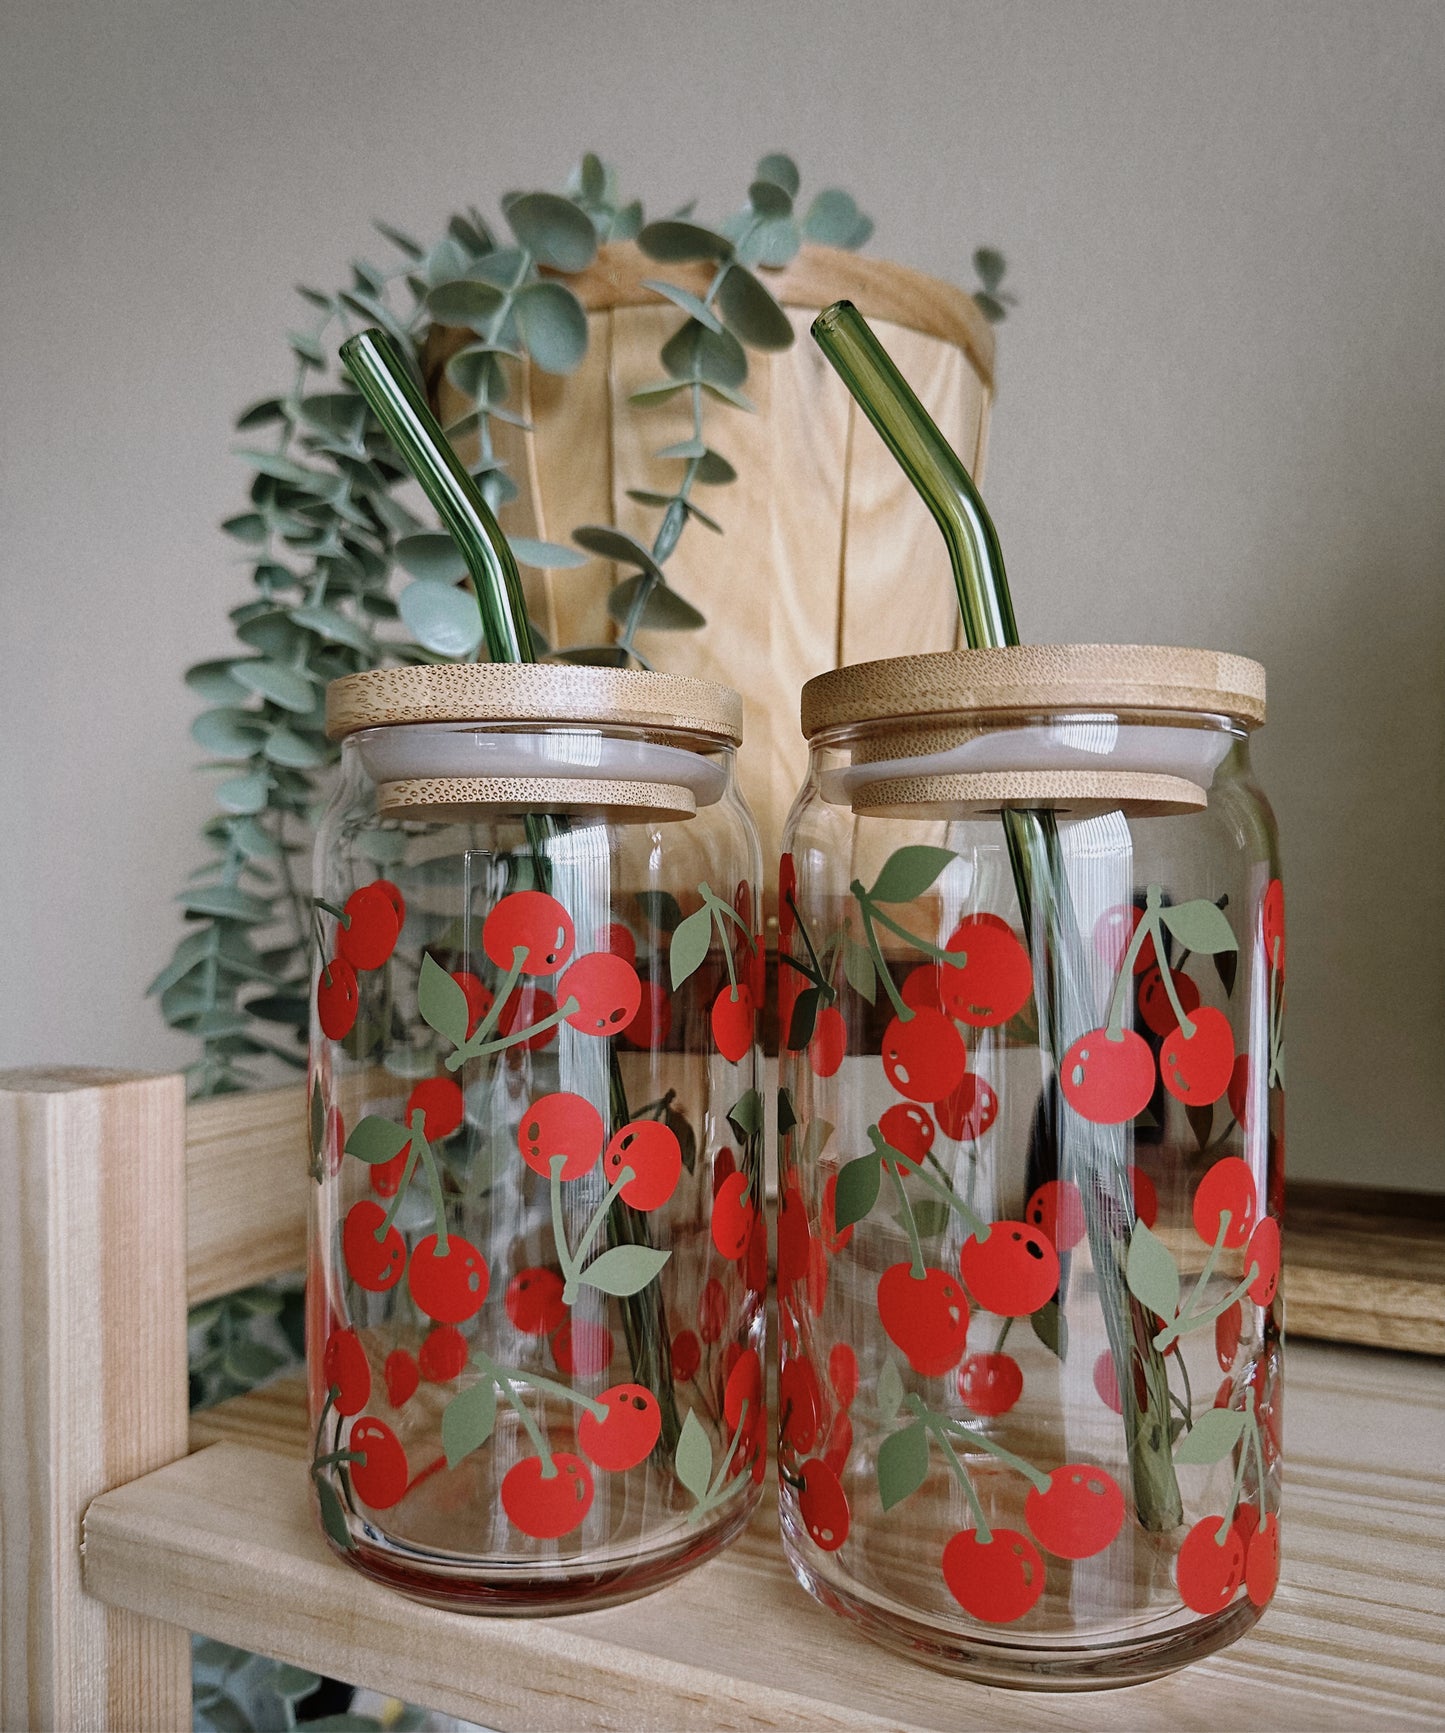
<point>1366,1265</point>
<point>246,1186</point>
<point>226,1541</point>
<point>93,1368</point>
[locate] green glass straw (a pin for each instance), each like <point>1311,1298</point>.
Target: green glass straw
<point>382,377</point>
<point>1095,1154</point>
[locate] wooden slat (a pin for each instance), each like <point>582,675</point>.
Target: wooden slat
<point>1365,1265</point>
<point>226,1542</point>
<point>93,1368</point>
<point>245,1189</point>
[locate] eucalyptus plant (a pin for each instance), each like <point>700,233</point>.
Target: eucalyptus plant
<point>328,528</point>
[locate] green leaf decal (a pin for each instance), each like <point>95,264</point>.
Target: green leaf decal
<point>787,1113</point>
<point>693,1458</point>
<point>625,1269</point>
<point>930,1216</point>
<point>1212,1437</point>
<point>1153,1275</point>
<point>1200,926</point>
<point>441,1002</point>
<point>908,872</point>
<point>333,1517</point>
<point>858,1183</point>
<point>805,1016</point>
<point>553,326</point>
<point>441,617</point>
<point>316,1128</point>
<point>1201,1122</point>
<point>431,556</point>
<point>745,1116</point>
<point>890,1390</point>
<point>902,1464</point>
<point>1226,964</point>
<point>688,949</point>
<point>858,969</point>
<point>374,1139</point>
<point>467,1421</point>
<point>553,230</point>
<point>1052,1329</point>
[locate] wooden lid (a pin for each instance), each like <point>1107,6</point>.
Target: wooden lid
<point>456,798</point>
<point>1077,793</point>
<point>532,692</point>
<point>1032,677</point>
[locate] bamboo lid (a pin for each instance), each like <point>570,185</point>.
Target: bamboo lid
<point>1033,677</point>
<point>532,692</point>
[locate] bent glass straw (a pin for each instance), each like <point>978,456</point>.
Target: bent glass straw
<point>1094,1153</point>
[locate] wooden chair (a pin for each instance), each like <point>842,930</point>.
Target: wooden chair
<point>123,1206</point>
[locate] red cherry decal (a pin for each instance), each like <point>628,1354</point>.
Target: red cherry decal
<point>1261,1563</point>
<point>1211,1565</point>
<point>1013,1272</point>
<point>744,1384</point>
<point>817,1277</point>
<point>582,1348</point>
<point>617,939</point>
<point>373,929</point>
<point>448,1286</point>
<point>535,924</point>
<point>439,1101</point>
<point>840,1444</point>
<point>1155,1010</point>
<point>1196,1068</point>
<point>686,1356</point>
<point>1107,1081</point>
<point>1263,1250</point>
<point>793,1237</point>
<point>1229,1185</point>
<point>336,999</point>
<point>925,1058</point>
<point>402,1377</point>
<point>833,1241</point>
<point>990,1383</point>
<point>381,1479</point>
<point>996,981</point>
<point>925,1316</point>
<point>1228,1328</point>
<point>385,1177</point>
<point>524,1009</point>
<point>732,1217</point>
<point>547,1508</point>
<point>800,1406</point>
<point>822,1505</point>
<point>923,987</point>
<point>1238,1091</point>
<point>758,970</point>
<point>335,1141</point>
<point>1057,1210</point>
<point>787,896</point>
<point>756,1273</point>
<point>373,1264</point>
<point>1106,1382</point>
<point>1112,933</point>
<point>909,1130</point>
<point>652,1025</point>
<point>478,997</point>
<point>732,1023</point>
<point>607,991</point>
<point>652,1151</point>
<point>628,1431</point>
<point>1146,1198</point>
<point>443,1355</point>
<point>843,1373</point>
<point>712,1310</point>
<point>534,1301</point>
<point>1080,1513</point>
<point>562,1124</point>
<point>969,1111</point>
<point>1271,921</point>
<point>997,1582</point>
<point>347,1371</point>
<point>829,1042</point>
<point>394,897</point>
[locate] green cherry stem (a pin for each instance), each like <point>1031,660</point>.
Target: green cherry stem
<point>433,1179</point>
<point>976,1441</point>
<point>1252,1433</point>
<point>475,1043</point>
<point>511,1374</point>
<point>976,1225</point>
<point>1200,1320</point>
<point>818,975</point>
<point>332,909</point>
<point>719,1480</point>
<point>575,1274</point>
<point>725,939</point>
<point>1008,1325</point>
<point>910,1226</point>
<point>1148,928</point>
<point>383,1227</point>
<point>902,1011</point>
<point>1187,1309</point>
<point>329,1404</point>
<point>727,912</point>
<point>334,1456</point>
<point>480,1050</point>
<point>1235,1490</point>
<point>953,959</point>
<point>934,1427</point>
<point>503,1381</point>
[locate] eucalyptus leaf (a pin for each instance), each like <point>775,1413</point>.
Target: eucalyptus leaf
<point>253,842</point>
<point>399,239</point>
<point>337,412</point>
<point>283,686</point>
<point>700,516</point>
<point>693,1457</point>
<point>465,301</point>
<point>284,746</point>
<point>624,1270</point>
<point>689,946</point>
<point>262,413</point>
<point>909,872</point>
<point>1212,1437</point>
<point>902,1464</point>
<point>467,1421</point>
<point>477,373</point>
<point>685,448</point>
<point>991,307</point>
<point>677,241</point>
<point>228,733</point>
<point>335,627</point>
<point>554,231</point>
<point>248,526</point>
<point>243,794</point>
<point>684,298</point>
<point>1200,926</point>
<point>614,544</point>
<point>546,556</point>
<point>989,263</point>
<point>833,219</point>
<point>442,617</point>
<point>726,394</point>
<point>768,199</point>
<point>712,357</point>
<point>715,470</point>
<point>627,222</point>
<point>781,170</point>
<point>553,326</point>
<point>773,244</point>
<point>650,396</point>
<point>663,611</point>
<point>432,554</point>
<point>857,1190</point>
<point>283,468</point>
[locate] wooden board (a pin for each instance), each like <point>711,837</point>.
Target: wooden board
<point>225,1543</point>
<point>1364,1265</point>
<point>246,1189</point>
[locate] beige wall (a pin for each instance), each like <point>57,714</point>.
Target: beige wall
<point>1222,417</point>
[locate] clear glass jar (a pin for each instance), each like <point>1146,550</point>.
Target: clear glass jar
<point>535,1307</point>
<point>1032,1164</point>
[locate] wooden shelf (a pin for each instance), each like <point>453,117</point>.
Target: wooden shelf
<point>223,1542</point>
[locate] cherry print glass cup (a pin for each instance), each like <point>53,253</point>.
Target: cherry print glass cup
<point>1031,1160</point>
<point>535,1306</point>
